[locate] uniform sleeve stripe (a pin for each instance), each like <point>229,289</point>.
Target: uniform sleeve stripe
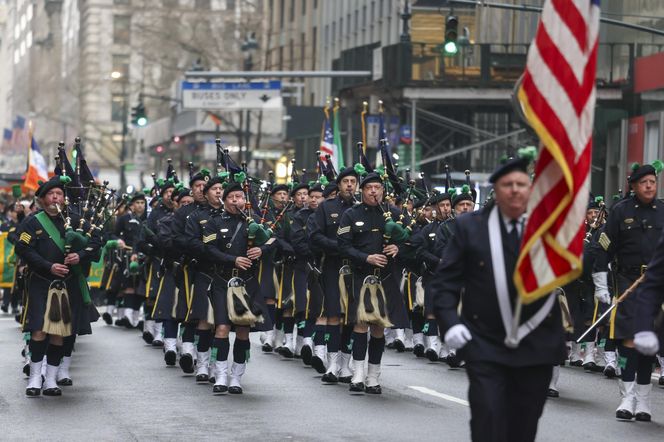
<point>209,238</point>
<point>343,230</point>
<point>604,241</point>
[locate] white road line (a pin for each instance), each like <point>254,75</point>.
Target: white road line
<point>439,395</point>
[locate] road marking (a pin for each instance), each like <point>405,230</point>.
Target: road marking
<point>439,395</point>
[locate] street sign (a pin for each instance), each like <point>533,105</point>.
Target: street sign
<point>231,95</point>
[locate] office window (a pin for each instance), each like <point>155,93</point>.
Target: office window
<point>292,11</point>
<point>121,2</point>
<point>121,64</point>
<point>282,7</point>
<point>170,3</point>
<point>291,50</point>
<point>304,7</point>
<point>117,107</point>
<point>121,29</point>
<point>302,50</point>
<point>202,4</point>
<point>314,40</point>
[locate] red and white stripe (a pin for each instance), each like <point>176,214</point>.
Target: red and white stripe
<point>558,97</point>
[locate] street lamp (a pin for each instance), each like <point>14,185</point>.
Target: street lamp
<point>116,75</point>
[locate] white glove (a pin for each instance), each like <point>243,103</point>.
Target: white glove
<point>457,336</point>
<point>646,342</point>
<point>601,287</point>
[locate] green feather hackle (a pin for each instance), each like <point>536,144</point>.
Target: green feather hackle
<point>635,166</point>
<point>528,152</point>
<point>599,199</point>
<point>360,169</point>
<point>240,177</point>
<point>465,189</point>
<point>64,179</point>
<point>658,165</point>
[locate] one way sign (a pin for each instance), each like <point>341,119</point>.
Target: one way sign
<point>232,95</point>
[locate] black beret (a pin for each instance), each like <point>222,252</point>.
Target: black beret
<point>49,184</point>
<point>212,181</point>
<point>182,192</point>
<point>318,187</point>
<point>201,175</point>
<point>330,189</point>
<point>462,197</point>
<point>164,187</point>
<point>440,197</point>
<point>346,171</point>
<point>137,196</point>
<point>232,187</point>
<point>299,187</point>
<point>420,203</point>
<point>372,177</point>
<point>511,165</point>
<point>278,188</point>
<point>641,171</point>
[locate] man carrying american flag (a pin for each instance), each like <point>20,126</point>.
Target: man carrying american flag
<point>503,266</point>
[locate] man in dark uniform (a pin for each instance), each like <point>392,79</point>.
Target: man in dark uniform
<point>128,232</point>
<point>54,284</point>
<point>157,264</point>
<point>323,226</point>
<point>508,387</point>
<point>231,256</point>
<point>363,238</point>
<point>187,270</point>
<point>305,262</point>
<point>631,234</point>
<point>425,242</point>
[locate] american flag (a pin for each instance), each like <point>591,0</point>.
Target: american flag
<point>327,146</point>
<point>558,97</point>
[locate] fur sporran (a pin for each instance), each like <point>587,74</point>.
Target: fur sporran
<point>372,303</point>
<point>57,318</point>
<point>419,293</point>
<point>241,310</point>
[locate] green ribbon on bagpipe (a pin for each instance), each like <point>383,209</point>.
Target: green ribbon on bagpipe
<point>97,271</point>
<point>7,262</point>
<point>59,241</point>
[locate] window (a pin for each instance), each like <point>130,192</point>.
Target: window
<point>202,4</point>
<point>117,107</point>
<point>170,3</point>
<point>121,64</point>
<point>302,50</point>
<point>314,40</point>
<point>304,7</point>
<point>230,4</point>
<point>315,4</point>
<point>291,50</point>
<point>120,2</point>
<point>121,29</point>
<point>292,11</point>
<point>281,58</point>
<point>282,7</point>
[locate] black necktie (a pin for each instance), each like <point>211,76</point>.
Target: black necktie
<point>513,236</point>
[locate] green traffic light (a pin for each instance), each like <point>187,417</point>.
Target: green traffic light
<point>141,121</point>
<point>451,48</point>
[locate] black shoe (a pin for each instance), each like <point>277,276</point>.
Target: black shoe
<point>431,354</point>
<point>202,378</point>
<point>552,393</point>
<point>590,366</point>
<point>55,391</point>
<point>148,338</point>
<point>330,378</point>
<point>390,345</point>
<point>187,363</point>
<point>17,318</point>
<point>399,346</point>
<point>119,322</point>
<point>139,325</point>
<point>286,352</point>
<point>157,342</point>
<point>318,364</point>
<point>170,356</point>
<point>642,417</point>
<point>373,390</point>
<point>661,381</point>
<point>212,380</point>
<point>33,392</point>
<point>65,382</point>
<point>345,379</point>
<point>306,354</point>
<point>358,387</point>
<point>235,390</point>
<point>598,369</point>
<point>624,415</point>
<point>453,361</point>
<point>610,372</point>
<point>26,369</point>
<point>267,348</point>
<point>418,350</point>
<point>106,316</point>
<point>219,389</point>
<point>5,309</point>
<point>578,363</point>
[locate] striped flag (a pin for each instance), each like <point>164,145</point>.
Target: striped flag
<point>327,146</point>
<point>36,166</point>
<point>557,95</point>
<point>338,147</point>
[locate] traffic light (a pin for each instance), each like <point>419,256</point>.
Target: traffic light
<point>450,46</point>
<point>138,115</point>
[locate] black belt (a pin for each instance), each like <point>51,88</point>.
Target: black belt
<point>634,270</point>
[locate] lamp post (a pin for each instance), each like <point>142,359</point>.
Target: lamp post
<point>115,75</point>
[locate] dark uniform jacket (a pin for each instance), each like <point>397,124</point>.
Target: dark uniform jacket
<point>466,274</point>
<point>324,223</point>
<point>650,296</point>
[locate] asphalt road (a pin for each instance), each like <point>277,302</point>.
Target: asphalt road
<point>123,391</point>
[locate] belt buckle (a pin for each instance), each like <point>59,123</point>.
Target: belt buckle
<point>643,269</point>
<point>235,272</point>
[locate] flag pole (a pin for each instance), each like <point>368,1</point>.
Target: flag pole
<point>363,117</point>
